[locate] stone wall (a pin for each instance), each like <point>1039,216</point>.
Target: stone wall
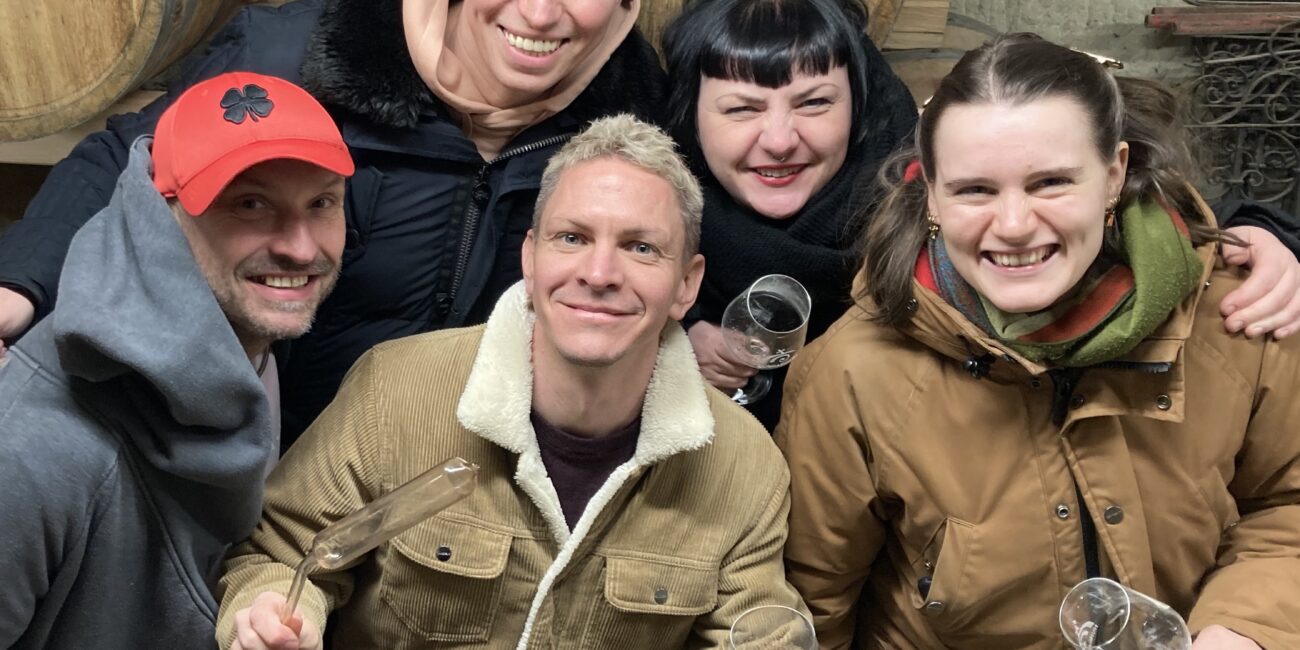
<point>1109,27</point>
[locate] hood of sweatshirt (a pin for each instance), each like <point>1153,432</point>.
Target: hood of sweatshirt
<point>149,351</point>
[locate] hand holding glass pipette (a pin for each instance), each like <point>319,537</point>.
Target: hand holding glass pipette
<point>382,519</point>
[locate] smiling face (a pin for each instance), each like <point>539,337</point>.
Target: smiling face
<point>774,148</point>
<point>1020,192</point>
<point>605,268</point>
<point>525,47</point>
<point>269,246</point>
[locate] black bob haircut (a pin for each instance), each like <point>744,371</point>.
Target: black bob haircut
<point>765,42</point>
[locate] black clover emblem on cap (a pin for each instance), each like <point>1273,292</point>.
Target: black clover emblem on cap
<point>251,102</point>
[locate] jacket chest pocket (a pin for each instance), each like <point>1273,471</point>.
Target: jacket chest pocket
<point>650,599</point>
<point>443,580</point>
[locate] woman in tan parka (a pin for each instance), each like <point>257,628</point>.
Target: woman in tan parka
<point>1035,386</point>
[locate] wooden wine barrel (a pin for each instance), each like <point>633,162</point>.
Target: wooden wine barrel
<point>63,61</point>
<point>656,14</point>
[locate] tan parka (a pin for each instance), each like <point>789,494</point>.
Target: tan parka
<point>929,478</point>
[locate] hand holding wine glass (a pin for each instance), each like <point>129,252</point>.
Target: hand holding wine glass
<point>764,327</point>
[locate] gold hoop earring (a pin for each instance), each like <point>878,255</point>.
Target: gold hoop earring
<point>934,224</point>
<point>1110,212</point>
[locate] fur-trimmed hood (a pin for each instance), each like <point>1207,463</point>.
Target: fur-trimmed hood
<point>357,61</point>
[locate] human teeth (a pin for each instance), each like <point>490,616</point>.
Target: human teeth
<point>530,45</point>
<point>280,282</point>
<point>1019,259</point>
<point>777,173</point>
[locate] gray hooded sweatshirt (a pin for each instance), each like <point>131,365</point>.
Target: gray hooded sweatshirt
<point>134,434</point>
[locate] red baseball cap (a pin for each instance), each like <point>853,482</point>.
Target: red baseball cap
<point>218,128</point>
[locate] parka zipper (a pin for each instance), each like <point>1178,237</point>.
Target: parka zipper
<point>1064,381</point>
<point>477,195</point>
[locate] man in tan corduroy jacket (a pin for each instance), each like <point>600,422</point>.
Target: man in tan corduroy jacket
<point>621,502</point>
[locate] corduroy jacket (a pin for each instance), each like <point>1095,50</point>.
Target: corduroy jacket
<point>678,543</point>
<point>934,498</point>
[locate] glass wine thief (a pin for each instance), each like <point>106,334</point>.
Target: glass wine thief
<point>382,519</point>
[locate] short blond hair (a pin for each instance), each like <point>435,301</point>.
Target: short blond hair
<point>641,144</point>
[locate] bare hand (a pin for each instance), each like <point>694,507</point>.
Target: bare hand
<point>1217,637</point>
<point>715,362</point>
<point>259,627</point>
<point>1269,299</point>
<point>16,313</point>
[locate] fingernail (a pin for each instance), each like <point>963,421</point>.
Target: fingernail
<point>1254,331</point>
<point>1236,325</point>
<point>1230,308</point>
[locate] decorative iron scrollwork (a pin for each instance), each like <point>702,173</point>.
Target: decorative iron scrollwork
<point>1246,108</point>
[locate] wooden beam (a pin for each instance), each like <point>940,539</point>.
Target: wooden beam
<point>1212,21</point>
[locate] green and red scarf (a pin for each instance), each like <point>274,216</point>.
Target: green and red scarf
<point>1110,311</point>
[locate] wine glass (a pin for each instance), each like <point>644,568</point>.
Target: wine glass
<point>773,627</point>
<point>1101,613</point>
<point>764,327</point>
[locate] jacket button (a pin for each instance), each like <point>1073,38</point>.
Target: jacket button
<point>661,596</point>
<point>1076,401</point>
<point>1163,402</point>
<point>911,304</point>
<point>1063,511</point>
<point>935,607</point>
<point>1113,515</point>
<point>923,586</point>
<point>443,553</point>
<point>1035,383</point>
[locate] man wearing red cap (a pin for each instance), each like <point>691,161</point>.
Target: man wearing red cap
<point>134,430</point>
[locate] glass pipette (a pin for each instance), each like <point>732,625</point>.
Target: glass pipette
<point>382,519</point>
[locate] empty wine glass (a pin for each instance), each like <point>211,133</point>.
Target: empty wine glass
<point>1102,613</point>
<point>764,327</point>
<point>773,627</point>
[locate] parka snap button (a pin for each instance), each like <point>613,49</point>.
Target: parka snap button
<point>911,304</point>
<point>1063,511</point>
<point>935,607</point>
<point>1076,401</point>
<point>1113,515</point>
<point>661,596</point>
<point>443,553</point>
<point>1035,383</point>
<point>1163,402</point>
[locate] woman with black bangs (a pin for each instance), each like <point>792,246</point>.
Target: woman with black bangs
<point>785,109</point>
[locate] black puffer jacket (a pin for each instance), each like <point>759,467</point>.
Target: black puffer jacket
<point>434,231</point>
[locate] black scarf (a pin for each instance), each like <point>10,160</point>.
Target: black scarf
<point>815,247</point>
